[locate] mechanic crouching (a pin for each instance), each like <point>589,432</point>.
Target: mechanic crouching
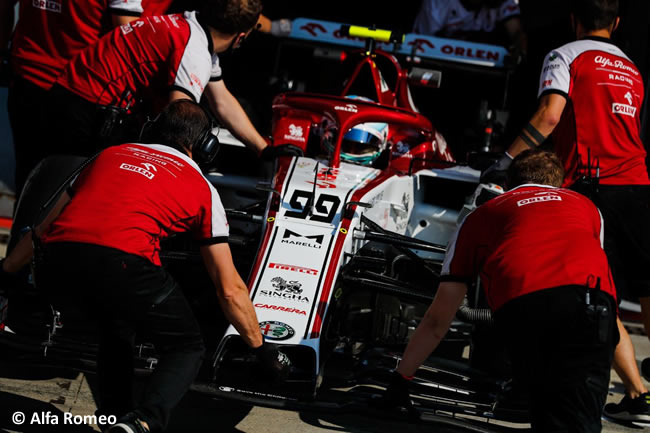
<point>538,251</point>
<point>100,247</point>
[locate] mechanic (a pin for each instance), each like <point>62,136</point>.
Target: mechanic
<point>156,59</point>
<point>142,193</point>
<point>45,39</point>
<point>590,99</point>
<point>537,249</point>
<point>472,19</point>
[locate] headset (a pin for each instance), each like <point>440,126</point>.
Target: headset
<point>205,149</point>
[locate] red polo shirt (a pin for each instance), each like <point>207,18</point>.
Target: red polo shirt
<point>531,238</point>
<point>134,195</point>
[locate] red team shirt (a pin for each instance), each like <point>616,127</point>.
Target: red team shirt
<point>153,54</point>
<point>604,92</point>
<point>512,242</point>
<point>134,195</point>
<point>49,33</point>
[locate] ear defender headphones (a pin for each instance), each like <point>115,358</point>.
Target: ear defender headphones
<point>204,150</point>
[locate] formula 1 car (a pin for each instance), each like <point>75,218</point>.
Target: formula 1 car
<point>342,248</point>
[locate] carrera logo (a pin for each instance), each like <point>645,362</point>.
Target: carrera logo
<point>293,268</point>
<point>134,168</point>
<point>625,110</point>
<point>290,237</point>
<point>350,108</point>
<point>295,133</point>
<point>539,199</point>
<point>47,5</point>
<point>281,308</point>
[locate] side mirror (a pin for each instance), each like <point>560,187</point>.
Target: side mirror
<point>425,77</point>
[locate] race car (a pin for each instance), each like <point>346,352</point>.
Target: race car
<point>342,247</point>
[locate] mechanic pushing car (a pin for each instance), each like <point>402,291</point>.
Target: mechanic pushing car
<point>45,39</point>
<point>590,99</point>
<point>537,249</point>
<point>148,62</point>
<point>100,253</point>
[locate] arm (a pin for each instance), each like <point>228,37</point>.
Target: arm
<point>232,292</point>
<point>120,20</point>
<point>24,250</point>
<point>433,327</point>
<point>231,113</point>
<point>544,120</point>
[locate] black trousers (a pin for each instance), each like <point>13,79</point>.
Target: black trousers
<point>124,296</point>
<point>561,355</point>
<point>26,105</point>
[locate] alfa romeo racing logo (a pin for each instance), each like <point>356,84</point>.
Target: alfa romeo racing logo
<point>276,330</point>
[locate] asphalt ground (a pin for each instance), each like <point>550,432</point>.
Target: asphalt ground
<point>45,394</point>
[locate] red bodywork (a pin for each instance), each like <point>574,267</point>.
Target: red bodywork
<point>301,117</point>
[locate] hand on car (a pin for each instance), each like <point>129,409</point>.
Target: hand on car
<point>497,172</point>
<point>275,363</point>
<point>397,395</point>
<point>271,152</point>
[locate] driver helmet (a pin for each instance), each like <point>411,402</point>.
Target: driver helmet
<point>364,142</point>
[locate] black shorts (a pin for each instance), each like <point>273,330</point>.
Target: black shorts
<point>626,212</point>
<point>561,355</point>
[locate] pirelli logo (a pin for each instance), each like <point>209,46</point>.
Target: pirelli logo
<point>47,5</point>
<point>539,199</point>
<point>293,268</point>
<point>134,168</point>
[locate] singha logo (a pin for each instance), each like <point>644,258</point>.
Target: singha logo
<point>280,284</point>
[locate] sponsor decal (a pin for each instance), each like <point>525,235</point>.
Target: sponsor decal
<point>623,109</point>
<point>134,168</point>
<point>285,290</point>
<point>195,80</point>
<point>295,133</point>
<point>290,238</point>
<point>326,177</point>
<point>552,57</point>
<point>313,29</point>
<point>628,97</point>
<point>547,83</point>
<point>281,285</point>
<point>550,68</point>
<point>350,108</point>
<point>274,330</point>
<point>149,166</point>
<point>618,64</point>
<point>126,29</point>
<point>539,199</point>
<point>293,268</point>
<point>623,78</point>
<point>281,308</point>
<point>47,5</point>
<point>324,210</point>
<point>226,389</point>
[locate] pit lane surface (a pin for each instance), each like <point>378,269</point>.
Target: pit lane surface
<point>51,393</point>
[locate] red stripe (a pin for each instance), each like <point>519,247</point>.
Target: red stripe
<point>340,240</point>
<point>5,223</point>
